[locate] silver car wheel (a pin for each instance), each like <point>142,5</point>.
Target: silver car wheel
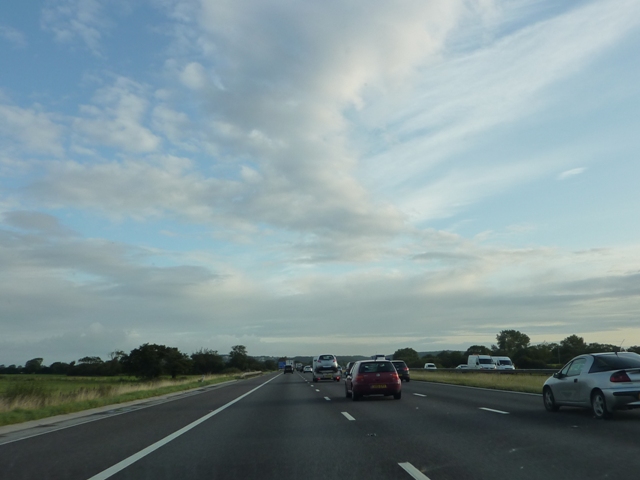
<point>549,400</point>
<point>599,406</point>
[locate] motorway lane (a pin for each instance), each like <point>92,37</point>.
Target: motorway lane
<point>84,450</point>
<point>447,436</point>
<point>287,429</point>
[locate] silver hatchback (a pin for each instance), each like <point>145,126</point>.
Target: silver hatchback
<point>603,382</point>
<point>325,367</point>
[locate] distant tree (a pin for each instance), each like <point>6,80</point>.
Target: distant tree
<point>270,365</point>
<point>451,358</point>
<point>238,357</point>
<point>87,367</point>
<point>33,366</point>
<point>59,368</point>
<point>207,361</point>
<point>602,347</point>
<point>634,349</point>
<point>151,361</point>
<point>477,350</point>
<point>511,341</point>
<point>12,369</point>
<point>532,357</point>
<point>409,355</point>
<point>114,365</point>
<point>175,362</point>
<point>571,346</point>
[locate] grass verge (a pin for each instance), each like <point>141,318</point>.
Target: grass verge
<point>24,398</point>
<point>530,383</point>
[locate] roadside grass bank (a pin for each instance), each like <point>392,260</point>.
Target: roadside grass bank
<point>529,383</point>
<point>32,397</point>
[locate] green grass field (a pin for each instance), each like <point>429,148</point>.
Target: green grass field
<point>31,397</point>
<point>531,383</point>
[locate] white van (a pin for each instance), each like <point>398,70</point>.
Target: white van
<point>480,362</point>
<point>503,363</point>
<point>430,366</point>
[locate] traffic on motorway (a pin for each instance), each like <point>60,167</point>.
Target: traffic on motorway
<point>265,427</point>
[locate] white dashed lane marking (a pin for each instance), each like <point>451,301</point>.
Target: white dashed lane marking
<point>419,395</point>
<point>494,411</point>
<point>413,471</point>
<point>347,416</point>
<point>327,399</point>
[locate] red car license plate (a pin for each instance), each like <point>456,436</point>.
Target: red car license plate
<point>378,386</point>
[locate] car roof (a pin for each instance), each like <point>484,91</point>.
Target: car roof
<point>601,354</point>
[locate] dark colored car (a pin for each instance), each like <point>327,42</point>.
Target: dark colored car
<point>348,368</point>
<point>403,370</point>
<point>373,377</point>
<point>288,369</point>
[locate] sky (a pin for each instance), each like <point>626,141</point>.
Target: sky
<point>308,177</point>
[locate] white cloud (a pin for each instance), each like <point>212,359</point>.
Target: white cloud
<point>116,119</point>
<point>13,35</point>
<point>71,19</point>
<point>194,76</point>
<point>460,98</point>
<point>31,130</point>
<point>571,173</point>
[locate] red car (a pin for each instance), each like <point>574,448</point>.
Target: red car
<point>373,377</point>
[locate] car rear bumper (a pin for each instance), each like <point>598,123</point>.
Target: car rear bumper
<point>617,399</point>
<point>367,390</point>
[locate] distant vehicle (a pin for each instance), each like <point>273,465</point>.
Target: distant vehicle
<point>299,366</point>
<point>307,369</point>
<point>480,362</point>
<point>603,382</point>
<point>325,367</point>
<point>379,356</point>
<point>503,363</point>
<point>402,369</point>
<point>373,377</point>
<point>462,366</point>
<point>430,366</point>
<point>288,369</point>
<point>348,368</point>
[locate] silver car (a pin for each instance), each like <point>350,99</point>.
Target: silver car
<point>325,367</point>
<point>603,382</point>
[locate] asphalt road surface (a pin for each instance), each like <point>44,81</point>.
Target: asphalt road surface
<point>286,427</point>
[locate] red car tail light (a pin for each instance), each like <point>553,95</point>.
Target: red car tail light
<point>620,377</point>
<point>359,378</point>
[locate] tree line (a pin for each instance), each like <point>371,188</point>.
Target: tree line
<point>517,346</point>
<point>149,361</point>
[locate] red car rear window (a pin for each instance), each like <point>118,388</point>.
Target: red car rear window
<point>376,367</point>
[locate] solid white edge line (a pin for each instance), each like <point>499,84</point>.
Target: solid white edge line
<point>144,403</point>
<point>494,411</point>
<point>413,471</point>
<point>419,394</point>
<point>327,399</point>
<point>151,448</point>
<point>347,416</point>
